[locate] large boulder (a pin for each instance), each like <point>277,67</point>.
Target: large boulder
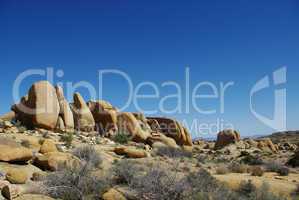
<point>43,101</point>
<point>227,137</point>
<point>83,117</point>
<point>131,152</point>
<point>156,139</point>
<point>172,128</point>
<point>65,111</point>
<point>105,116</point>
<point>16,176</point>
<point>55,160</point>
<point>11,151</point>
<point>129,125</point>
<point>48,146</point>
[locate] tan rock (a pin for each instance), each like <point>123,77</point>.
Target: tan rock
<point>105,116</point>
<point>172,128</point>
<point>11,151</point>
<point>16,176</point>
<point>227,137</point>
<point>48,146</point>
<point>131,152</point>
<point>266,144</point>
<point>161,138</point>
<point>43,101</point>
<point>83,117</point>
<point>128,124</point>
<point>65,110</point>
<point>34,197</point>
<point>60,125</point>
<point>113,194</point>
<point>55,160</point>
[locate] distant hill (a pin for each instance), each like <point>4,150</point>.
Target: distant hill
<point>286,136</point>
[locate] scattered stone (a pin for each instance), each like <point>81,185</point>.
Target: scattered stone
<point>16,176</point>
<point>48,146</point>
<point>113,194</point>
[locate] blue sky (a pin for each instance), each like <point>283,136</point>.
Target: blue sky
<point>220,41</point>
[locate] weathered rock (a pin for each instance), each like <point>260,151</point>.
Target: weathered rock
<point>128,124</point>
<point>83,118</point>
<point>48,146</point>
<point>131,152</point>
<point>227,137</point>
<point>113,194</point>
<point>105,116</point>
<point>266,144</point>
<point>161,138</point>
<point>17,176</point>
<point>55,160</point>
<point>43,101</point>
<point>172,128</point>
<point>11,151</point>
<point>65,110</point>
<point>8,116</point>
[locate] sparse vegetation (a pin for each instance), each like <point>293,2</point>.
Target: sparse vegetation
<point>173,152</point>
<point>238,168</point>
<point>257,171</point>
<point>121,138</point>
<point>278,168</point>
<point>25,143</point>
<point>252,160</point>
<point>88,154</point>
<point>67,139</point>
<point>222,169</point>
<point>77,182</point>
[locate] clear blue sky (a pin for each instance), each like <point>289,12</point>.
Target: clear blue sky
<point>233,40</point>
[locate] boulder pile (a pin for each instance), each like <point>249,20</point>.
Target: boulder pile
<point>46,107</point>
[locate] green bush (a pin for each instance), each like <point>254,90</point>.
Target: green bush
<point>121,138</point>
<point>67,139</point>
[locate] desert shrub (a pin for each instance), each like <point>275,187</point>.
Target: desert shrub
<point>67,139</point>
<point>201,158</point>
<point>238,168</point>
<point>283,171</point>
<point>124,171</point>
<point>173,152</point>
<point>121,138</point>
<point>296,191</point>
<point>252,160</point>
<point>88,154</point>
<point>25,143</point>
<point>273,166</point>
<point>77,182</point>
<point>247,190</point>
<point>22,129</point>
<point>257,171</point>
<point>222,169</point>
<point>278,168</point>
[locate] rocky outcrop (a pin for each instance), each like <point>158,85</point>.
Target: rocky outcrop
<point>227,137</point>
<point>267,145</point>
<point>159,139</point>
<point>105,116</point>
<point>172,128</point>
<point>83,118</point>
<point>44,105</point>
<point>65,112</point>
<point>16,176</point>
<point>129,125</point>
